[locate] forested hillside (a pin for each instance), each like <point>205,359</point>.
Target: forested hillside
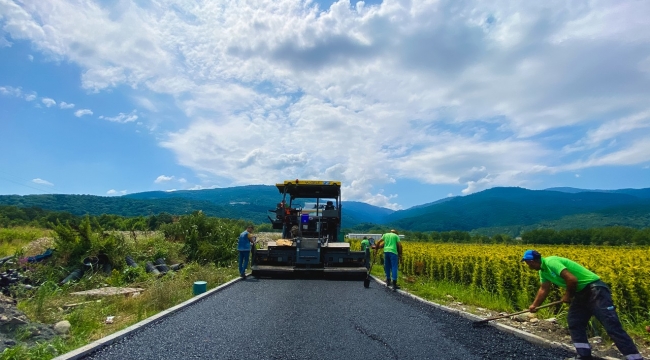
<point>98,205</point>
<point>365,213</point>
<point>252,194</point>
<point>244,202</point>
<point>499,210</point>
<point>640,193</point>
<point>633,216</point>
<point>518,207</point>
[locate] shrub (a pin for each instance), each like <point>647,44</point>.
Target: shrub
<point>206,239</point>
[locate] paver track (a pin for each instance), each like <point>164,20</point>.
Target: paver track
<point>317,319</point>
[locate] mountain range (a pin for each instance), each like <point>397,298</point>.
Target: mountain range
<point>505,209</point>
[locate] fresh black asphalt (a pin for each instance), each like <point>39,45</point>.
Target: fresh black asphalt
<point>317,319</point>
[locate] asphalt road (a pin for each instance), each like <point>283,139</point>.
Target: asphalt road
<point>317,319</point>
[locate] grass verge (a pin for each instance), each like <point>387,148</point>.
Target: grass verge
<point>12,240</point>
<point>88,320</point>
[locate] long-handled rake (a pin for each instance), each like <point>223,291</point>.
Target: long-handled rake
<point>485,321</point>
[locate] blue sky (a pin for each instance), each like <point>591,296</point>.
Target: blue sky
<point>404,102</point>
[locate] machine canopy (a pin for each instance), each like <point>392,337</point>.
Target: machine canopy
<point>310,188</point>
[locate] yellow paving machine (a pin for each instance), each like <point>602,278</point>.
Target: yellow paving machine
<point>309,216</point>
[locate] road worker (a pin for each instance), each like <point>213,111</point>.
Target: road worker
<point>365,243</point>
<point>390,242</point>
<point>244,243</point>
<point>279,211</point>
<point>295,231</point>
<point>365,247</point>
<point>588,296</point>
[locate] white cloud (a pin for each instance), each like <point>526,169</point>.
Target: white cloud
<point>82,112</point>
<point>476,94</point>
<point>30,57</point>
<point>65,105</point>
<point>122,117</point>
<point>163,178</point>
<point>113,192</point>
<point>48,102</point>
<point>146,103</point>
<point>634,153</point>
<point>184,183</point>
<point>611,130</point>
<point>4,42</point>
<point>10,91</point>
<point>42,182</point>
<point>30,97</point>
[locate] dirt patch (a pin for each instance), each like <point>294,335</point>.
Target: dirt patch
<point>38,246</point>
<point>109,291</point>
<point>15,327</point>
<point>550,329</point>
<point>263,238</point>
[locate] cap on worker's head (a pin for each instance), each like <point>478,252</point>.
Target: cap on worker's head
<point>394,231</point>
<point>531,255</point>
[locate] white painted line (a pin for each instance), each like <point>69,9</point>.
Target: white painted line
<point>114,337</point>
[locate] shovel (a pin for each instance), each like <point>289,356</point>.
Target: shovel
<point>366,281</point>
<point>485,321</point>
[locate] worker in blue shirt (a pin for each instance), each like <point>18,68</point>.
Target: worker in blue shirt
<point>246,240</point>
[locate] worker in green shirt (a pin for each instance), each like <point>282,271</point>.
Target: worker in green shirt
<point>588,296</point>
<point>365,247</point>
<point>365,243</point>
<point>392,255</point>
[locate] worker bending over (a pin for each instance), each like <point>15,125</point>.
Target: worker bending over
<point>588,296</point>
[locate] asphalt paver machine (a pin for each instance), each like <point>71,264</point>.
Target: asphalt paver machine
<point>309,216</point>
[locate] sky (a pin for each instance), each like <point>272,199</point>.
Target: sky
<point>404,102</point>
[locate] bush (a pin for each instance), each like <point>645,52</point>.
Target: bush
<point>206,239</point>
<point>74,243</point>
<point>128,276</point>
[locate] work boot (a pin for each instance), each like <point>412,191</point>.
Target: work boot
<point>395,286</point>
<point>387,282</point>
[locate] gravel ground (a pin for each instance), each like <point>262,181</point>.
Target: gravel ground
<point>317,319</point>
<point>15,327</point>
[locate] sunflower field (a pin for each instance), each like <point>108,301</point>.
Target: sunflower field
<point>497,268</point>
